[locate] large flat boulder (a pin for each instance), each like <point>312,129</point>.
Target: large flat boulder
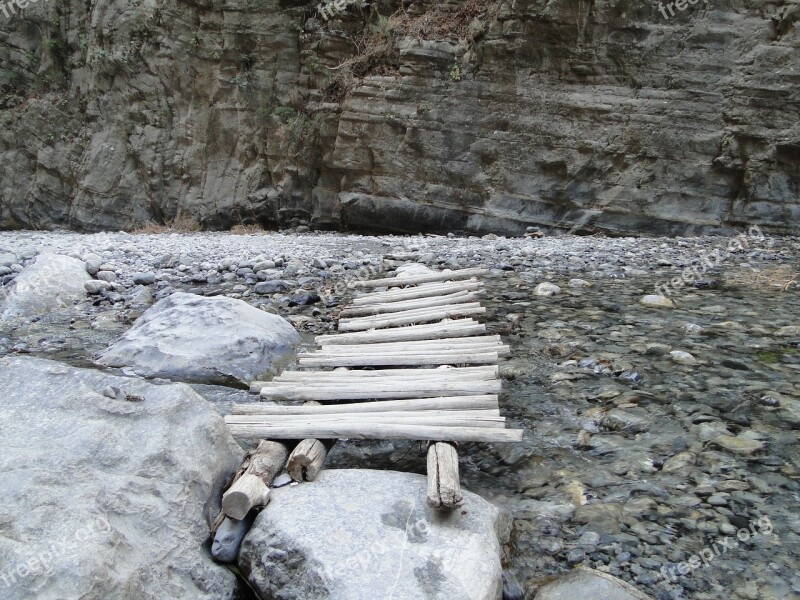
<point>106,497</point>
<point>53,282</point>
<point>357,534</point>
<point>192,338</point>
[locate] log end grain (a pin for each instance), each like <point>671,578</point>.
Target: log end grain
<point>247,493</point>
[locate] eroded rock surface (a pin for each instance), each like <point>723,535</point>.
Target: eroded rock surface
<point>362,534</point>
<point>106,497</point>
<point>476,116</point>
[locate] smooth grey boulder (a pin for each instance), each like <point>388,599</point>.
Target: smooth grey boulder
<point>186,337</point>
<point>229,536</point>
<point>144,278</point>
<point>271,287</point>
<point>51,283</point>
<point>358,534</point>
<point>587,583</point>
<point>108,497</point>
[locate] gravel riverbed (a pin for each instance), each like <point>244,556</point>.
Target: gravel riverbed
<point>661,442</point>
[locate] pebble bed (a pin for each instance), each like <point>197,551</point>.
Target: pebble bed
<point>661,437</point>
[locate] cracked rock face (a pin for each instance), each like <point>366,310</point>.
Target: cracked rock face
<point>600,116</point>
<point>191,338</point>
<point>356,534</point>
<point>105,497</point>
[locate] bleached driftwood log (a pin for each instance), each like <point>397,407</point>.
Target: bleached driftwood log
<point>446,329</point>
<point>378,390</point>
<point>411,317</point>
<point>481,356</point>
<point>308,458</point>
<point>418,279</point>
<point>454,403</point>
<point>429,290</point>
<point>423,345</point>
<point>393,307</point>
<point>252,488</point>
<point>377,431</point>
<point>309,455</point>
<point>452,418</point>
<point>397,376</point>
<point>460,373</point>
<point>444,487</point>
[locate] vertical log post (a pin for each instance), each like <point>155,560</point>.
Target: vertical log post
<point>252,488</point>
<point>444,487</point>
<point>306,460</point>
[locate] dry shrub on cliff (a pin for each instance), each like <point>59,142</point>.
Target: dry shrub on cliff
<point>462,21</point>
<point>376,48</point>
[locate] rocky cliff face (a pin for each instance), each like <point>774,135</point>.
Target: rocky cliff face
<point>477,115</point>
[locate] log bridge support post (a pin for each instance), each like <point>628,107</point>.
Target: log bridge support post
<point>306,460</point>
<point>444,487</point>
<point>252,488</point>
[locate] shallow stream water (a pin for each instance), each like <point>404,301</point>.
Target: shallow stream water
<point>632,462</point>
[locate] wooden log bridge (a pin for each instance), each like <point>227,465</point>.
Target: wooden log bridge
<point>409,362</point>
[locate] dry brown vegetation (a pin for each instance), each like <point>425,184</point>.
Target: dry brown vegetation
<point>249,229</point>
<point>180,224</point>
<point>376,50</point>
<point>782,277</point>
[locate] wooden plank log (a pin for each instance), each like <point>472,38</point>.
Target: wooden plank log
<point>413,293</point>
<point>399,380</point>
<point>366,360</point>
<point>320,378</point>
<point>369,384</point>
<point>417,344</point>
<point>265,424</point>
<point>252,488</point>
<point>444,416</point>
<point>379,431</point>
<point>421,312</point>
<point>256,386</point>
<point>393,307</point>
<point>483,372</point>
<point>444,486</point>
<point>418,279</point>
<point>308,456</point>
<point>432,348</point>
<point>380,391</point>
<point>476,348</point>
<point>415,404</point>
<point>307,459</point>
<point>447,329</point>
<point>411,317</point>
